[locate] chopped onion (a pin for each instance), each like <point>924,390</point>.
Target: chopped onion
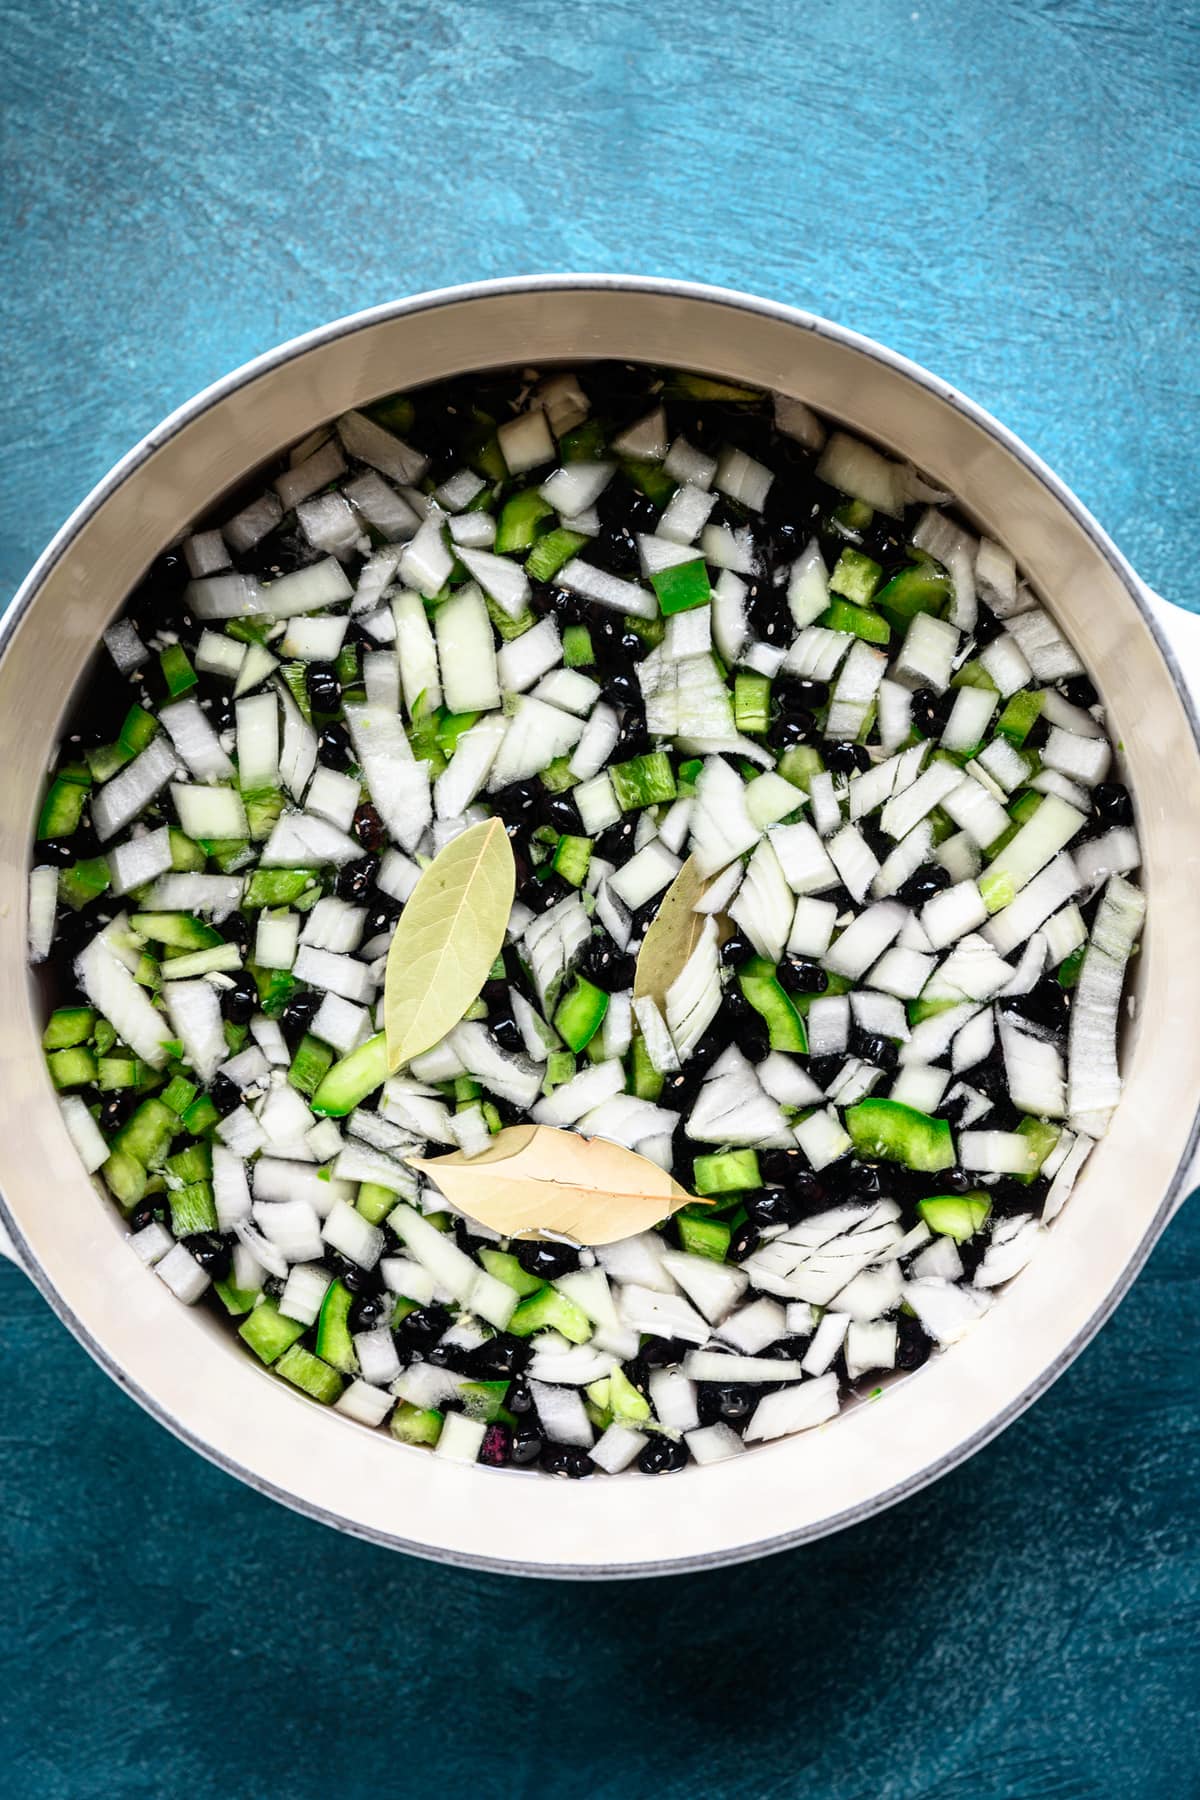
<point>115,994</point>
<point>523,661</point>
<point>862,473</point>
<point>1094,1081</point>
<point>120,800</point>
<point>43,905</point>
<point>765,905</point>
<point>721,828</point>
<point>370,443</point>
<point>694,997</point>
<point>398,783</point>
<point>182,1274</point>
<point>561,1414</point>
<point>646,440</point>
<point>125,646</point>
<point>501,579</point>
<point>84,1133</point>
<point>617,1447</point>
<point>673,1397</point>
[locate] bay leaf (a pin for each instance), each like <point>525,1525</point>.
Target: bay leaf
<point>673,935</point>
<point>448,936</point>
<point>536,1178</point>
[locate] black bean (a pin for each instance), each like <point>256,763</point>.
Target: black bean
<point>787,1169</point>
<point>847,759</point>
<point>519,798</point>
<point>744,1242</point>
<point>239,1003</point>
<point>526,1446</point>
<point>334,747</point>
<point>930,711</point>
<point>623,689</point>
<point>568,1461</point>
<point>736,950</point>
<point>114,1110</point>
<point>797,693</point>
<point>1080,691</point>
<point>718,1403</point>
<point>710,1045</point>
<point>546,1259</point>
<point>785,732</point>
<point>236,930</point>
<point>773,1206</point>
<point>987,627</point>
<point>541,895</point>
<point>633,739</point>
<point>617,549</point>
<point>561,811</point>
<point>662,1456</point>
<point>221,713</point>
<point>225,1094</point>
<point>358,1280</point>
<point>607,966</point>
<point>564,603</point>
<point>801,975</point>
<point>368,828</point>
<point>769,615</point>
<point>1048,1003</point>
<point>616,844</point>
<point>500,1358</point>
<point>59,851</point>
<point>381,916</point>
<point>913,1343</point>
<point>146,1213</point>
<point>1112,804</point>
<point>355,879</point>
<point>157,601</point>
<point>324,688</point>
<point>367,1311</point>
<point>213,1253</point>
<point>872,1047</point>
<point>297,1015</point>
<point>923,884</point>
<point>506,1031</point>
<point>422,1328</point>
<point>662,1353</point>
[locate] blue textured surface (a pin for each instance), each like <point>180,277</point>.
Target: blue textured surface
<point>1007,193</point>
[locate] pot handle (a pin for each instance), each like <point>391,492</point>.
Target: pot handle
<point>1182,632</point>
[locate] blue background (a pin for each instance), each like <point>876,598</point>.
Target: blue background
<point>1008,193</point>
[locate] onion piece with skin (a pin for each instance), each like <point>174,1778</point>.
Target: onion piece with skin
<point>694,997</point>
<point>765,904</point>
<point>1094,1081</point>
<point>721,828</point>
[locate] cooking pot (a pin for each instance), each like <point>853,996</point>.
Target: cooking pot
<point>1144,657</point>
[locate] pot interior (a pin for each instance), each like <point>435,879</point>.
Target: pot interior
<point>185,1368</point>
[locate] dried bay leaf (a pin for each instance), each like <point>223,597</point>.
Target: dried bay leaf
<point>673,935</point>
<point>450,933</point>
<point>537,1178</point>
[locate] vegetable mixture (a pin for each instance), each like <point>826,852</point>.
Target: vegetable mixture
<point>756,882</point>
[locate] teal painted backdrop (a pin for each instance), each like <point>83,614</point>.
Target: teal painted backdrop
<point>1007,192</point>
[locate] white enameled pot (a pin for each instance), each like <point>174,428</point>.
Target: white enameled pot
<point>1145,659</point>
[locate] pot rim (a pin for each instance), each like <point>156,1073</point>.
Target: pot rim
<point>734,300</point>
